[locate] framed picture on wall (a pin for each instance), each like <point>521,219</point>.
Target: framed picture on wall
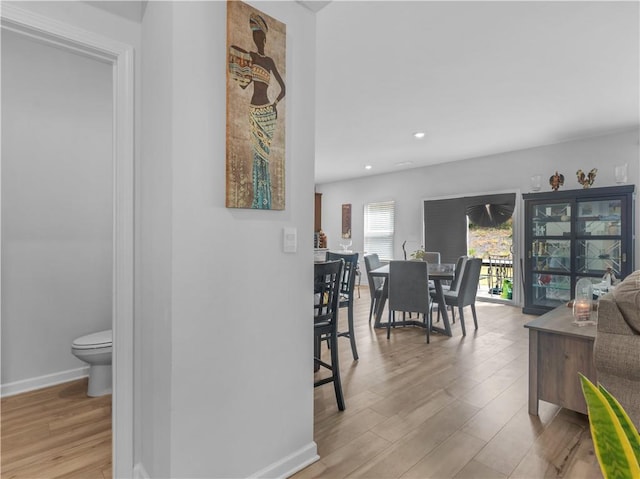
<point>256,72</point>
<point>346,221</point>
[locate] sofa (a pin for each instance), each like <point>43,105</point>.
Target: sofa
<point>617,344</point>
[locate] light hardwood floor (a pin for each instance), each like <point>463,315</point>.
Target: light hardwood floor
<point>56,432</point>
<point>454,408</point>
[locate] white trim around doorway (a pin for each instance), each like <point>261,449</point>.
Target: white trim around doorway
<point>120,56</point>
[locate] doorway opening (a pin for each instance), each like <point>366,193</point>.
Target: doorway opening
<point>494,244</point>
<point>480,226</point>
<point>120,57</point>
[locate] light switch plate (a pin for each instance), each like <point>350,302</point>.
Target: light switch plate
<point>290,240</point>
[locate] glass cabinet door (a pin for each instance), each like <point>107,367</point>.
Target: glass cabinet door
<point>550,290</point>
<point>553,219</point>
<point>550,254</point>
<point>598,233</point>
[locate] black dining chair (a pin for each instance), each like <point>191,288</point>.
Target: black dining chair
<point>465,294</point>
<point>347,286</point>
<point>325,322</point>
<point>376,284</point>
<point>409,291</point>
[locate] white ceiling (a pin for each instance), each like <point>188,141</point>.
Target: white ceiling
<point>129,9</point>
<point>479,77</point>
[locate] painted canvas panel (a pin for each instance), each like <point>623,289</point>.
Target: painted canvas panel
<point>256,72</point>
<point>346,221</point>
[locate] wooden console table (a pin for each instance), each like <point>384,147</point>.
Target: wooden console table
<point>558,351</point>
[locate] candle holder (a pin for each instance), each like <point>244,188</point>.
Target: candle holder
<point>584,310</point>
<point>621,174</point>
<point>536,182</point>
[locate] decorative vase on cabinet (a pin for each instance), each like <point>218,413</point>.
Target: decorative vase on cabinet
<point>574,234</point>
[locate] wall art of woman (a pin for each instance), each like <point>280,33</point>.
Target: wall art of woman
<point>257,69</point>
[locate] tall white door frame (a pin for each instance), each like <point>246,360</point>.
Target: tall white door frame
<point>120,56</point>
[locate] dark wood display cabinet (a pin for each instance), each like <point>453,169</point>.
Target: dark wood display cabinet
<point>574,234</point>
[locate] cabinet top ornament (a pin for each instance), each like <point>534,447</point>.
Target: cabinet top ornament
<point>586,180</point>
<point>556,181</point>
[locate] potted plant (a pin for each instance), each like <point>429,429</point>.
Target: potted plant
<point>615,437</point>
<point>418,254</point>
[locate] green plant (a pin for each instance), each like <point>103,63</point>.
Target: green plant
<point>418,254</point>
<point>615,438</point>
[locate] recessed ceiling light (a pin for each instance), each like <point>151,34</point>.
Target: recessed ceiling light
<point>368,167</point>
<point>404,163</point>
<point>418,134</point>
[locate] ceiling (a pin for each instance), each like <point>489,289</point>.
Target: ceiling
<point>129,9</point>
<point>478,77</point>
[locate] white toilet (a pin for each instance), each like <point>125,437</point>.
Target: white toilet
<point>95,349</point>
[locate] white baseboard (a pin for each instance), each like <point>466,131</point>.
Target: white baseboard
<point>139,472</point>
<point>25,385</point>
<point>291,464</point>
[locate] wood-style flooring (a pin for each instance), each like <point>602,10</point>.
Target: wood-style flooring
<point>56,432</point>
<point>454,408</point>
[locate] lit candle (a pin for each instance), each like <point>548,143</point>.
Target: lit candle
<point>582,310</point>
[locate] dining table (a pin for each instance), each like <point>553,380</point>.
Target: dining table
<point>438,272</point>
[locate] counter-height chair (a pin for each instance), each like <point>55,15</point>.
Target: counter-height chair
<point>347,286</point>
<point>325,322</point>
<point>409,291</point>
<point>376,284</point>
<point>465,293</point>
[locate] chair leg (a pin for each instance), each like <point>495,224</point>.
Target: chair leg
<point>392,315</point>
<point>335,371</point>
<point>316,353</point>
<point>427,320</point>
<point>373,302</point>
<point>453,315</point>
<point>475,317</point>
<point>352,333</point>
<point>464,332</point>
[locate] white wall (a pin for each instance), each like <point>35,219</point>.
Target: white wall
<point>56,208</point>
<point>498,173</point>
<point>154,328</point>
<point>223,361</point>
<point>240,343</point>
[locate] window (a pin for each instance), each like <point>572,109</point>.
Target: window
<point>378,229</point>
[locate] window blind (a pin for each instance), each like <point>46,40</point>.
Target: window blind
<point>378,229</point>
<point>445,228</point>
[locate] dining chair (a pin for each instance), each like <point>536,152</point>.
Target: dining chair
<point>465,294</point>
<point>432,257</point>
<point>409,291</point>
<point>457,275</point>
<point>325,322</point>
<point>376,284</point>
<point>347,286</point>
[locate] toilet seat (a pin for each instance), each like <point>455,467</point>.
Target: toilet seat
<point>101,339</point>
